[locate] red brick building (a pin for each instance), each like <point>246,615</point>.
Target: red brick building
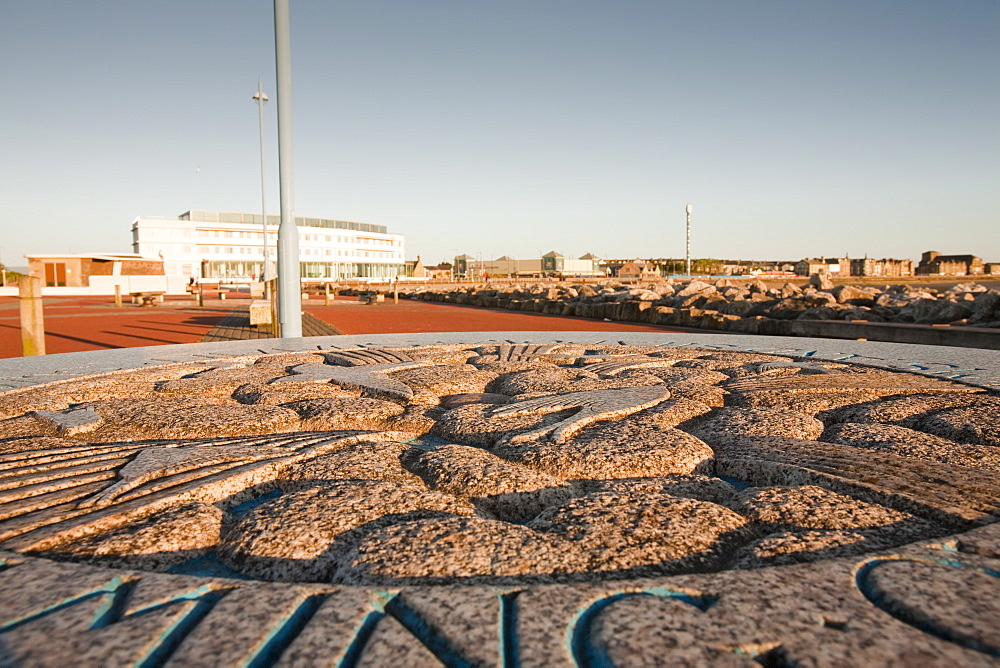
<point>75,270</point>
<point>933,263</point>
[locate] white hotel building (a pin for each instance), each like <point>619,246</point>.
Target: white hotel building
<point>216,245</point>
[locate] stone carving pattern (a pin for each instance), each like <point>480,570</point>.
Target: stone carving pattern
<point>77,484</point>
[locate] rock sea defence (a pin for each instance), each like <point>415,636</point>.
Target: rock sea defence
<point>725,305</point>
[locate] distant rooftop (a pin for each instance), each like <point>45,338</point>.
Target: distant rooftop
<point>91,256</point>
<point>255,218</point>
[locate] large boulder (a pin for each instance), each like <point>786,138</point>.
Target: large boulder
<point>734,293</point>
<point>986,307</point>
<point>850,294</point>
<point>689,301</point>
<point>860,314</point>
<point>666,290</point>
<point>741,307</point>
<point>696,287</point>
<point>821,281</point>
<point>818,313</point>
<point>784,309</point>
<point>965,288</point>
<point>934,311</point>
<point>789,290</point>
<point>813,297</point>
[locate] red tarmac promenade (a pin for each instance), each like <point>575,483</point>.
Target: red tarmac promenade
<point>349,316</point>
<point>73,324</point>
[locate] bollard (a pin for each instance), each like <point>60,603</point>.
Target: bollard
<point>326,294</point>
<point>201,295</point>
<point>32,321</point>
<point>118,295</point>
<point>395,291</point>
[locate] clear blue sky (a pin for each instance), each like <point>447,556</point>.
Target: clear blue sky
<point>794,127</point>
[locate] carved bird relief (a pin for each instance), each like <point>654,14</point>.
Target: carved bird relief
<point>593,405</point>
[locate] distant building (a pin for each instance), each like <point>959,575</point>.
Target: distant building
<point>416,269</point>
<point>554,264</point>
<point>933,263</point>
<point>631,269</point>
<point>831,266</point>
<point>463,264</point>
<point>637,270</point>
<point>216,245</point>
<point>757,267</point>
<point>991,268</point>
<point>79,270</point>
<point>550,264</point>
<point>888,267</point>
<point>443,271</point>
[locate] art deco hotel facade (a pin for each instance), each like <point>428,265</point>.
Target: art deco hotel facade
<point>217,245</point>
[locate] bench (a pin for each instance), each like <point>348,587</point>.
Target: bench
<point>146,298</point>
<point>260,312</point>
<point>371,298</point>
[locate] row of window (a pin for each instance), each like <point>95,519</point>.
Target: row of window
<point>246,234</point>
<point>272,236</point>
<point>316,252</point>
<point>330,252</point>
<point>256,218</point>
<point>349,240</point>
<point>249,270</point>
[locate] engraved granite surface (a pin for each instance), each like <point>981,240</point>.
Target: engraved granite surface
<point>575,501</point>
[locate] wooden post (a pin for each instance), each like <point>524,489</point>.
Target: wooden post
<point>326,294</point>
<point>395,291</point>
<point>118,295</point>
<point>32,321</point>
<point>201,294</point>
<point>273,296</point>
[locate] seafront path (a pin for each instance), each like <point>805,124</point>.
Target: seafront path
<point>74,324</point>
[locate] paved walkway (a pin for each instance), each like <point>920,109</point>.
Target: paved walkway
<point>350,316</point>
<point>236,327</point>
<point>74,324</point>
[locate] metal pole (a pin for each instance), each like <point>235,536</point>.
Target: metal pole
<point>261,99</point>
<point>289,283</point>
<point>687,249</point>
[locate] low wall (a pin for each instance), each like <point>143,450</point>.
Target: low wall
<point>105,286</point>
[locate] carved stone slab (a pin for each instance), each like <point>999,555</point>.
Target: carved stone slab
<point>584,502</point>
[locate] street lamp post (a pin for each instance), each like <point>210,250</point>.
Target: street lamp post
<point>289,282</point>
<point>261,99</point>
<point>687,244</point>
